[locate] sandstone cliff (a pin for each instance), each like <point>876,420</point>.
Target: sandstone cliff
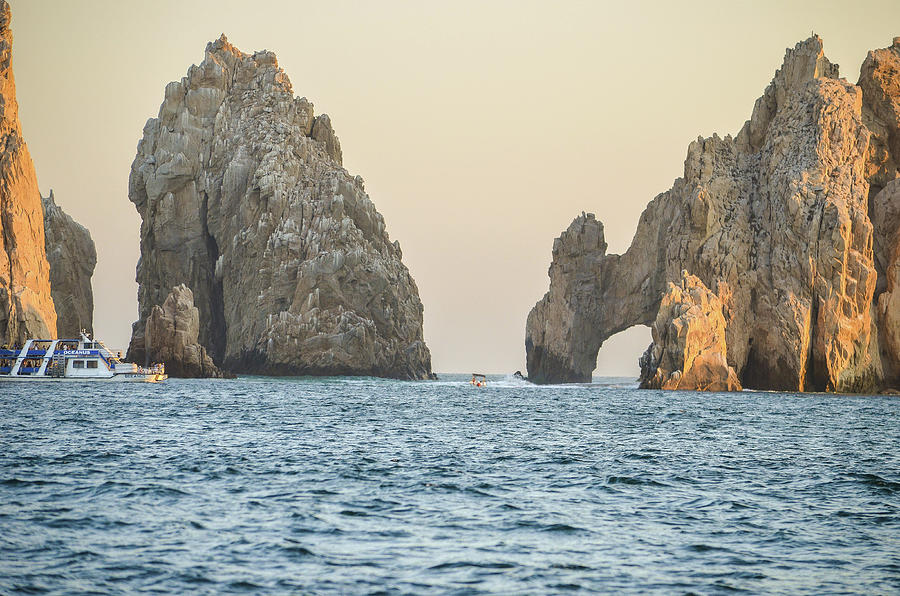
<point>171,334</point>
<point>779,213</point>
<point>72,257</point>
<point>26,306</point>
<point>244,200</point>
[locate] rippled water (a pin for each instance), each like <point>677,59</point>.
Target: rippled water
<point>365,485</point>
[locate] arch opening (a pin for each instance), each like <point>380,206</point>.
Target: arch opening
<point>619,354</point>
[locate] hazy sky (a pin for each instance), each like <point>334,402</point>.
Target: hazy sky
<point>481,128</point>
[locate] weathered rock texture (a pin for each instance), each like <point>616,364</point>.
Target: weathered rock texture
<point>779,214</point>
<point>688,349</point>
<point>244,200</point>
<point>72,257</point>
<point>26,306</point>
<point>879,80</point>
<point>171,334</point>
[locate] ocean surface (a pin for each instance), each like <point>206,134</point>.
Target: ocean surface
<point>357,486</point>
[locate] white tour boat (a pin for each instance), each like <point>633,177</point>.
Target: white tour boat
<point>82,359</point>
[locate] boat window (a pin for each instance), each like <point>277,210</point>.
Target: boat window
<point>78,364</point>
<point>92,364</point>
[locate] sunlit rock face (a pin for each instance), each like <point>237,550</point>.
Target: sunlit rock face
<point>72,257</point>
<point>780,214</point>
<point>244,200</point>
<point>26,306</point>
<point>879,79</point>
<point>688,349</point>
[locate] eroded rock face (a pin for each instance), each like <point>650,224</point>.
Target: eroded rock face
<point>244,200</point>
<point>26,306</point>
<point>72,257</point>
<point>880,81</point>
<point>886,219</point>
<point>778,213</point>
<point>688,349</point>
<point>171,336</point>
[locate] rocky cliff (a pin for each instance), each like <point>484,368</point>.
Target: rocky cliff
<point>879,80</point>
<point>72,257</point>
<point>26,306</point>
<point>780,214</point>
<point>244,200</point>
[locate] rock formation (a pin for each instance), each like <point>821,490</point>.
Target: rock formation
<point>779,213</point>
<point>879,80</point>
<point>26,306</point>
<point>243,199</point>
<point>171,334</point>
<point>72,257</point>
<point>688,349</point>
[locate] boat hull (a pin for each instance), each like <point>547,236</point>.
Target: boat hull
<point>81,359</point>
<point>126,378</point>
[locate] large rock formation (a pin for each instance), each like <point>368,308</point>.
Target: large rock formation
<point>886,219</point>
<point>879,80</point>
<point>779,213</point>
<point>244,200</point>
<point>72,257</point>
<point>26,307</point>
<point>688,349</point>
<point>171,334</point>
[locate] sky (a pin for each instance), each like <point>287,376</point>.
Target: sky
<point>481,128</point>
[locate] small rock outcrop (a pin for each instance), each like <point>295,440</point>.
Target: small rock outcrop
<point>26,305</point>
<point>688,349</point>
<point>171,336</point>
<point>780,214</point>
<point>244,199</point>
<point>72,257</point>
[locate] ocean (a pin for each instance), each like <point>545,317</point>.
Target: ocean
<point>371,486</point>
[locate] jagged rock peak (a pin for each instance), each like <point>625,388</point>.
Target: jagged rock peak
<point>26,306</point>
<point>243,199</point>
<point>779,214</point>
<point>806,61</point>
<point>802,64</point>
<point>72,257</point>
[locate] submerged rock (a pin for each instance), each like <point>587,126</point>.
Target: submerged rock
<point>72,257</point>
<point>688,349</point>
<point>26,305</point>
<point>779,214</point>
<point>170,336</point>
<point>243,199</point>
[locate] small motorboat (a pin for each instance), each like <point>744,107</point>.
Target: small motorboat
<point>478,380</point>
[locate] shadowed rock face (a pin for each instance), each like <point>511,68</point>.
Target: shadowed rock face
<point>244,200</point>
<point>72,257</point>
<point>26,306</point>
<point>779,214</point>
